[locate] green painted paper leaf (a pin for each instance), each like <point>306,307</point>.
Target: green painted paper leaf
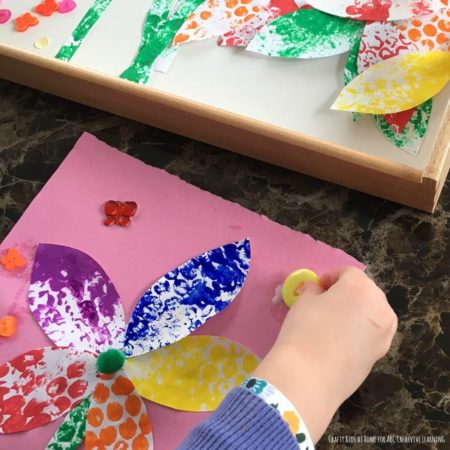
<point>351,70</point>
<point>307,33</point>
<point>161,25</point>
<point>351,64</point>
<point>69,48</point>
<point>70,434</point>
<point>410,138</point>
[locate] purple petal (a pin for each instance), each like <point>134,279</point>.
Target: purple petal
<point>74,301</point>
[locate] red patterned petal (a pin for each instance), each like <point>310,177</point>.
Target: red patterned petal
<point>35,387</point>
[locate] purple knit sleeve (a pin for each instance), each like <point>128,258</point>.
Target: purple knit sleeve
<point>243,421</point>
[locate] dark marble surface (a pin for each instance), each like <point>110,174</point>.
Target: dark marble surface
<point>408,252</point>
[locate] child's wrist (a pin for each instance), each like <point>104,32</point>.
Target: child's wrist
<point>306,383</point>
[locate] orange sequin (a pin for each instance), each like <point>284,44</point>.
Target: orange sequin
<point>47,8</point>
<point>13,260</point>
<point>8,326</point>
<point>25,21</point>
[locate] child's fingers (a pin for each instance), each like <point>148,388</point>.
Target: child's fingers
<point>331,278</point>
<point>310,288</point>
<point>328,279</point>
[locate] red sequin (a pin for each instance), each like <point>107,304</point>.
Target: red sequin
<point>119,213</point>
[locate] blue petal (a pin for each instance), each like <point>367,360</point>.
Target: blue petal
<point>187,297</point>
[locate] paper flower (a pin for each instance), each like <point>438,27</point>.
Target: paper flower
<point>77,306</point>
<point>405,129</point>
<point>312,33</point>
<point>380,41</point>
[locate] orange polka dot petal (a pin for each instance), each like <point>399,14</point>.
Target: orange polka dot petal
<point>127,429</point>
<point>122,386</point>
<point>95,417</point>
<point>414,34</point>
<point>108,435</point>
<point>145,424</point>
<point>133,405</point>
<point>114,411</point>
<point>430,30</point>
<point>140,443</point>
<point>101,393</point>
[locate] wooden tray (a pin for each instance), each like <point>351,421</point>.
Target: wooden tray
<point>267,108</point>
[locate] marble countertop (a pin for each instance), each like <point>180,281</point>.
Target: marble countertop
<point>408,252</point>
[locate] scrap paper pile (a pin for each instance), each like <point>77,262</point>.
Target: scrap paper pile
<point>120,374</point>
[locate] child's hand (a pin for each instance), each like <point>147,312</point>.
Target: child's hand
<point>328,344</point>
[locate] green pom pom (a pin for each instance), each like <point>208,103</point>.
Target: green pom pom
<point>110,361</point>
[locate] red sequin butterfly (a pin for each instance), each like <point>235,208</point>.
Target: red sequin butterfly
<point>25,21</point>
<point>119,213</point>
<point>47,8</point>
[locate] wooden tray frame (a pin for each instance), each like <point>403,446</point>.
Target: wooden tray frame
<point>412,187</point>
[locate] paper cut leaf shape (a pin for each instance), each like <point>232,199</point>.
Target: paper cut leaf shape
<point>351,71</point>
<point>69,48</point>
<point>117,417</point>
<point>241,36</point>
<point>430,32</point>
<point>380,41</point>
<point>74,301</point>
<point>160,27</point>
<point>185,298</point>
<point>351,64</point>
<point>216,17</point>
<point>409,137</point>
<point>384,40</point>
<point>165,59</point>
<point>70,434</point>
<point>376,9</point>
<point>193,374</point>
<point>396,84</point>
<point>307,33</point>
<point>41,385</point>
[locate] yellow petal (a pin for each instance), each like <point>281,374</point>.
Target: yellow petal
<point>396,84</point>
<point>193,374</point>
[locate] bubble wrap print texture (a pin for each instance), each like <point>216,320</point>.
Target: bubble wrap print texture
<point>185,298</point>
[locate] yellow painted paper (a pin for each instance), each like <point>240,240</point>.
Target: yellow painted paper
<point>193,374</point>
<point>396,84</point>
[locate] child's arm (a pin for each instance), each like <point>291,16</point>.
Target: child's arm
<point>327,346</point>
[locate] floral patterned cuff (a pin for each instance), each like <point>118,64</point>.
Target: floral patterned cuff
<point>273,397</point>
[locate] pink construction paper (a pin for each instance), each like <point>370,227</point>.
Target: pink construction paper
<point>175,221</point>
